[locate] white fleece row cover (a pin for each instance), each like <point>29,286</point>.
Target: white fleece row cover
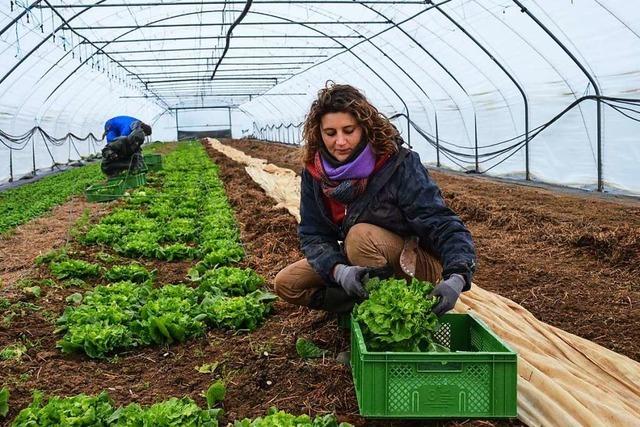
<point>563,380</point>
<point>476,85</point>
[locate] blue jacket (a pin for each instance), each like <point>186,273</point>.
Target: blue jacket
<point>118,126</point>
<point>401,197</point>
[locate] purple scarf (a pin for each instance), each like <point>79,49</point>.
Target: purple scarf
<point>345,182</point>
<point>358,168</point>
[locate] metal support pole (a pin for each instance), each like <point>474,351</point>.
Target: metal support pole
<point>177,126</point>
<point>475,130</point>
<point>10,165</point>
<point>33,153</point>
<point>437,143</point>
<point>596,88</point>
<point>230,126</point>
<point>408,127</point>
<point>504,70</point>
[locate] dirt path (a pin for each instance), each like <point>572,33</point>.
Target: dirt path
<point>572,260</point>
<point>19,249</point>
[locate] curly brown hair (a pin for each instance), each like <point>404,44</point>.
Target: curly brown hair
<point>336,98</point>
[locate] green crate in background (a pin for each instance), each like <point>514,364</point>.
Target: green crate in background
<point>153,162</point>
<point>129,180</point>
<point>478,379</point>
<point>104,192</point>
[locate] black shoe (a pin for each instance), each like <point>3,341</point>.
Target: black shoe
<point>332,299</point>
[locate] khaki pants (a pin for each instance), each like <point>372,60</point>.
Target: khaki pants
<point>366,245</point>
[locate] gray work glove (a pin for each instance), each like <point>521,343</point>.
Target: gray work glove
<point>449,291</point>
<point>350,277</point>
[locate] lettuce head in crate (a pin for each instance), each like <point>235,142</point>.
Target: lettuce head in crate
<point>398,316</point>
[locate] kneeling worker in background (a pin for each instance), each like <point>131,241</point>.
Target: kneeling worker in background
<point>125,135</point>
<point>360,186</point>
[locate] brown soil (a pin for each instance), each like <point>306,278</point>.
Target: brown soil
<point>261,369</point>
<point>573,260</point>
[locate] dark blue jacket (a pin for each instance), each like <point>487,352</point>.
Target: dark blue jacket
<point>401,197</point>
<point>119,126</point>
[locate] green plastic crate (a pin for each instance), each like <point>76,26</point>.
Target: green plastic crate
<point>129,180</point>
<point>477,379</point>
<point>104,192</point>
<point>153,162</point>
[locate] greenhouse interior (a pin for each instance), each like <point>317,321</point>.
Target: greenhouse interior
<point>319,213</point>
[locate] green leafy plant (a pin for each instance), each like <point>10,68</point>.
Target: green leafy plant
<point>105,257</point>
<point>75,298</point>
<point>133,272</point>
<point>122,217</point>
<point>275,418</point>
<point>245,312</point>
<point>222,252</point>
<point>231,281</point>
<point>207,368</point>
<point>103,234</point>
<point>74,282</point>
<point>80,410</point>
<point>170,413</point>
<point>306,349</point>
<point>398,317</point>
<point>13,352</point>
<point>170,315</point>
<point>4,402</point>
<point>103,322</point>
<point>143,243</point>
<point>33,291</point>
<point>81,224</point>
<point>180,230</point>
<point>215,393</point>
<point>74,268</point>
<point>54,255</point>
<point>176,251</point>
<point>187,218</point>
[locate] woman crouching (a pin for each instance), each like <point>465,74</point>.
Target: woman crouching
<point>367,204</point>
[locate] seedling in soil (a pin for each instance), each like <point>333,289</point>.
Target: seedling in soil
<point>32,291</point>
<point>106,258</point>
<point>74,299</point>
<point>18,309</point>
<point>207,368</point>
<point>54,255</point>
<point>215,393</point>
<point>75,283</point>
<point>74,268</point>
<point>306,349</point>
<point>4,402</point>
<point>13,352</point>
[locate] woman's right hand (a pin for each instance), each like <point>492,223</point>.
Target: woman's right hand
<point>350,277</point>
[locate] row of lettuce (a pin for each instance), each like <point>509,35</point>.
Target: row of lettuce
<point>98,411</point>
<point>188,217</point>
<point>19,205</point>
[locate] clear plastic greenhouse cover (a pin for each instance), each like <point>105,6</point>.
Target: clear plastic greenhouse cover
<point>546,90</point>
